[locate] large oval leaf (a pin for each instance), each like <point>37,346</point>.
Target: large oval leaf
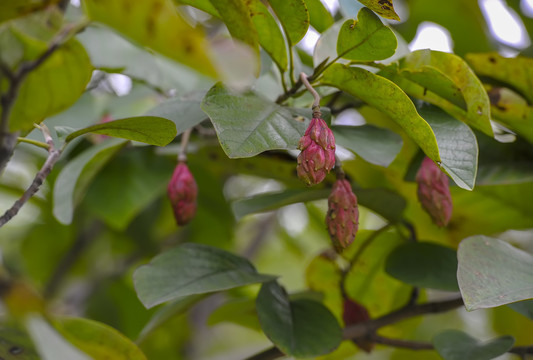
<point>300,328</point>
<point>247,124</point>
<point>70,185</point>
<point>457,345</point>
<point>192,269</point>
<point>493,273</point>
<point>425,265</point>
<point>157,25</point>
<point>457,146</point>
<point>319,16</point>
<point>294,18</point>
<point>147,129</point>
<point>384,95</point>
<point>366,38</point>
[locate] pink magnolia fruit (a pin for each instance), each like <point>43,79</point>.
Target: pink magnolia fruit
<point>342,218</point>
<point>434,192</point>
<point>182,192</point>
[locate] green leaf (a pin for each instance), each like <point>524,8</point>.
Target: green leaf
<point>493,273</point>
<point>13,9</point>
<point>424,264</point>
<point>384,202</point>
<point>14,340</point>
<point>376,145</point>
<point>247,124</point>
<point>238,311</point>
<point>366,38</point>
<point>452,66</point>
<point>517,72</point>
<point>147,129</point>
<point>68,182</point>
<point>457,345</point>
<point>155,24</point>
<point>237,19</point>
<point>523,307</point>
<point>457,146</point>
<point>127,185</point>
<point>98,340</point>
<point>384,95</point>
<point>384,8</point>
<point>300,328</point>
<point>184,111</point>
<point>66,73</point>
<point>192,269</point>
<point>49,343</point>
<point>319,17</point>
<point>294,18</point>
<point>270,36</point>
<point>204,5</point>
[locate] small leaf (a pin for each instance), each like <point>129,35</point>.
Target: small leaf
<point>376,145</point>
<point>50,344</point>
<point>425,265</point>
<point>516,72</point>
<point>366,38</point>
<point>384,8</point>
<point>184,111</point>
<point>192,269</point>
<point>300,328</point>
<point>457,345</point>
<point>457,146</point>
<point>98,340</point>
<point>270,36</point>
<point>294,18</point>
<point>523,307</point>
<point>385,96</point>
<point>157,25</point>
<point>319,15</point>
<point>247,124</point>
<point>147,129</point>
<point>493,273</point>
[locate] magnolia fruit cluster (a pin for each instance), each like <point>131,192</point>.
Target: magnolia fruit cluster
<point>434,192</point>
<point>182,192</point>
<point>355,313</point>
<point>317,156</point>
<point>342,218</point>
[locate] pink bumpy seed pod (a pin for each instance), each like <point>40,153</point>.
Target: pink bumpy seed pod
<point>182,192</point>
<point>434,192</point>
<point>355,313</point>
<point>317,156</point>
<point>342,218</point>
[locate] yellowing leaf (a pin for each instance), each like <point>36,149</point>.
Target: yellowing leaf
<point>384,8</point>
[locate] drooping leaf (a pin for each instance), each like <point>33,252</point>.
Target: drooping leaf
<point>237,18</point>
<point>424,264</point>
<point>68,183</point>
<point>517,72</point>
<point>98,340</point>
<point>66,73</point>
<point>294,18</point>
<point>457,345</point>
<point>376,145</point>
<point>493,273</point>
<point>270,36</point>
<point>366,38</point>
<point>148,129</point>
<point>157,25</point>
<point>384,95</point>
<point>50,344</point>
<point>184,111</point>
<point>457,146</point>
<point>192,269</point>
<point>384,8</point>
<point>384,202</point>
<point>300,328</point>
<point>453,67</point>
<point>247,124</point>
<point>319,16</point>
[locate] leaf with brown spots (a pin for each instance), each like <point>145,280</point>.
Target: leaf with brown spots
<point>383,8</point>
<point>157,25</point>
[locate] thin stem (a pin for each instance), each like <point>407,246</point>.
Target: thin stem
<point>339,172</point>
<point>404,344</point>
<point>182,156</point>
<point>291,65</point>
<point>316,97</point>
<point>33,142</point>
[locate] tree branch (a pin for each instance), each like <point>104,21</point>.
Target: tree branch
<point>53,156</point>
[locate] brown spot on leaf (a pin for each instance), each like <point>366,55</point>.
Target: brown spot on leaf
<point>16,350</point>
<point>425,91</point>
<point>492,59</point>
<point>384,7</point>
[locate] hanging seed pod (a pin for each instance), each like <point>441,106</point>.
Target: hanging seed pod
<point>434,192</point>
<point>342,218</point>
<point>182,192</point>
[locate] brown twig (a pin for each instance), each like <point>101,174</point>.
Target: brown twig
<point>53,156</point>
<point>404,344</point>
